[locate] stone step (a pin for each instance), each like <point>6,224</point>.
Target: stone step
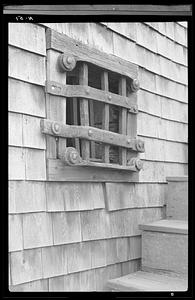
<point>165,246</point>
<point>147,281</point>
<point>177,198</point>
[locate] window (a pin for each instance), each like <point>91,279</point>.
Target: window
<point>100,94</point>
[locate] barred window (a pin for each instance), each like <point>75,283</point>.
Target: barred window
<point>91,107</point>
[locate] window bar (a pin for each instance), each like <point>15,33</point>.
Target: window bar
<point>75,122</point>
<point>105,119</point>
<point>84,110</point>
<point>91,117</point>
<point>122,121</point>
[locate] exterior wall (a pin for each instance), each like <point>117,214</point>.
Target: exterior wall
<point>76,236</point>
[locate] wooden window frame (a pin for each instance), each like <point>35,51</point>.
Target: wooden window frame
<point>67,163</point>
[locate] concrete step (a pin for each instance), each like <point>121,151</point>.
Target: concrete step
<point>177,198</point>
<point>165,246</point>
<point>147,281</point>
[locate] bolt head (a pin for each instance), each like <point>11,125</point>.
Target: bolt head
<point>90,132</point>
<point>87,91</point>
<point>69,60</point>
<point>135,85</point>
<point>56,127</point>
<point>74,155</point>
<point>109,97</point>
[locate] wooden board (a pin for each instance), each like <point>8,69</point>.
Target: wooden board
<point>167,226</point>
<point>26,66</point>
<point>27,36</point>
<point>175,247</point>
<point>89,133</point>
<point>82,52</point>
<point>84,110</point>
<point>123,121</point>
<point>57,171</point>
<point>106,116</point>
<point>88,92</point>
<point>146,282</point>
<point>55,107</point>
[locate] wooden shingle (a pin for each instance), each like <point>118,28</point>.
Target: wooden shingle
<point>26,66</point>
<point>98,253</point>
<point>34,40</point>
<point>15,233</point>
<point>37,230</point>
<point>119,195</point>
<point>26,98</point>
<point>95,225</point>
<point>16,160</point>
<point>55,195</point>
<point>54,261</point>
<point>26,266</point>
<point>56,284</point>
<point>87,280</point>
<point>15,129</point>
<point>79,257</point>
<point>124,48</point>
<point>26,196</point>
<point>100,38</point>
<point>33,286</point>
<point>128,30</point>
<point>66,227</point>
<point>131,266</point>
<point>32,136</point>
<point>35,164</point>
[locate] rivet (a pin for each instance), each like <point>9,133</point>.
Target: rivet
<point>109,97</point>
<point>87,91</point>
<point>128,141</point>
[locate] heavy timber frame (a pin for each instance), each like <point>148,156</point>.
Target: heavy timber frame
<point>67,55</point>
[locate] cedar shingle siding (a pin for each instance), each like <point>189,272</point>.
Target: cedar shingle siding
<point>74,235</point>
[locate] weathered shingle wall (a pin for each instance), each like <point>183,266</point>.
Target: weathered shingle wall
<point>75,236</point>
